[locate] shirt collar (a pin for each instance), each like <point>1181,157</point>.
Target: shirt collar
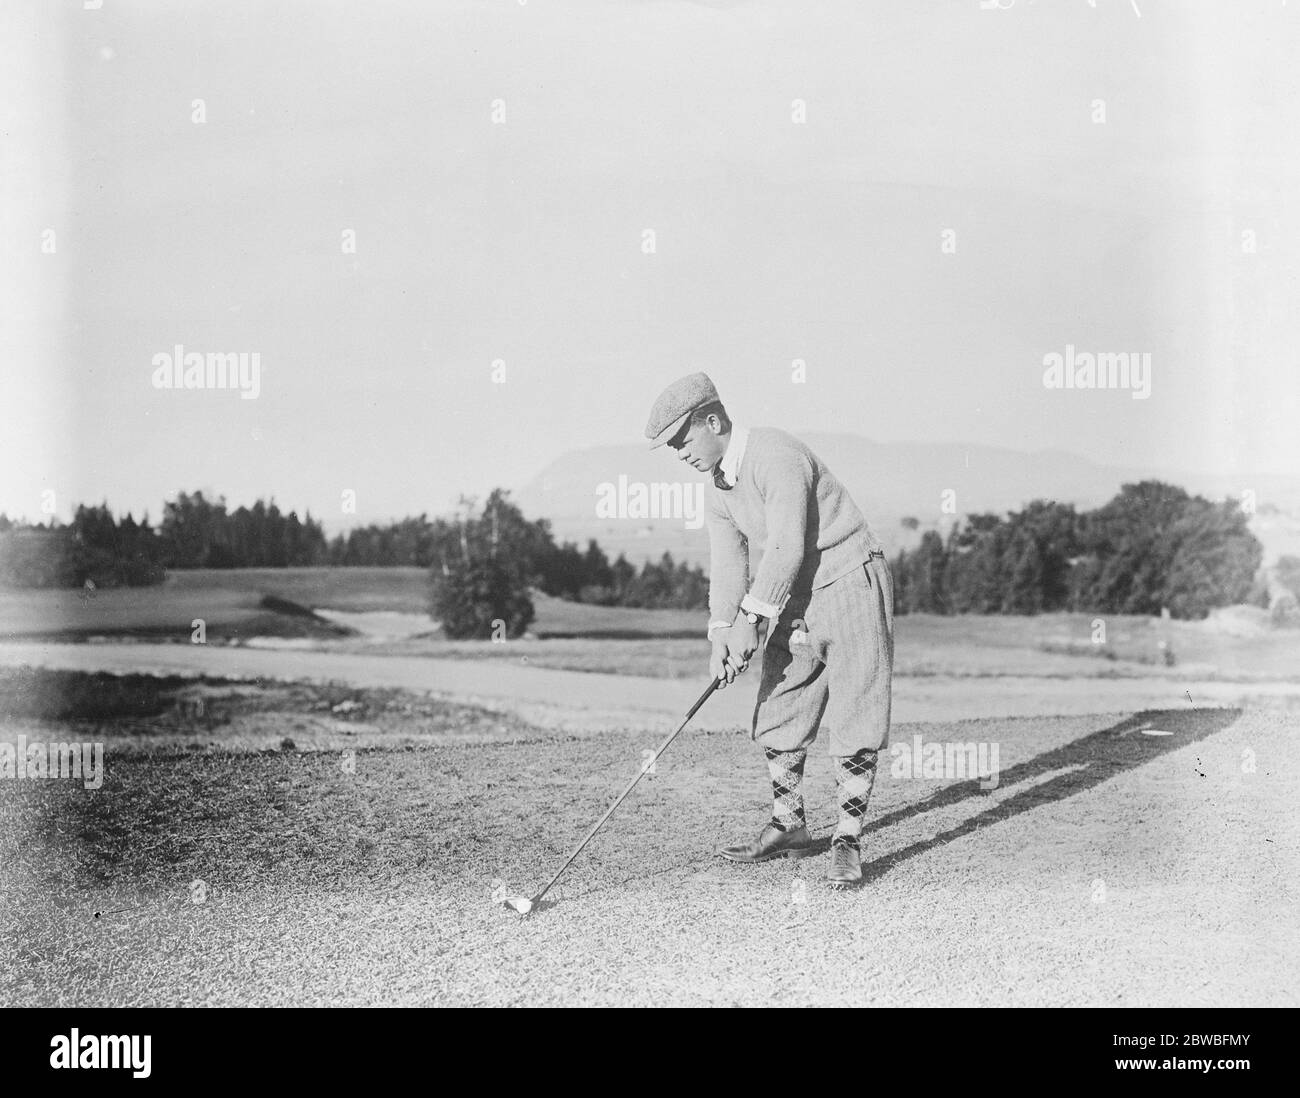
<point>730,463</point>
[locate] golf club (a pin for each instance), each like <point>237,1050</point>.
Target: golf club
<point>525,904</point>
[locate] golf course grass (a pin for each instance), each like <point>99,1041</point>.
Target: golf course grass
<point>277,844</point>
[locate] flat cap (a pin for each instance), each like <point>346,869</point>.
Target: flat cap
<point>676,403</point>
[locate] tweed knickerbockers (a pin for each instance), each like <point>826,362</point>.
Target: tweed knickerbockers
<point>828,664</point>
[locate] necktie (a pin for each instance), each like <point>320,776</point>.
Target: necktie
<point>720,481</point>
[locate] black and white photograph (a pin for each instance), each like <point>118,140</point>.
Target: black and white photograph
<point>651,503</point>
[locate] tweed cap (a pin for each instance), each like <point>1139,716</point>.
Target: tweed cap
<point>676,403</point>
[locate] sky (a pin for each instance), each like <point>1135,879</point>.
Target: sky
<point>1117,177</point>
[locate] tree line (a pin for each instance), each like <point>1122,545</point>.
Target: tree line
<point>1152,546</point>
<point>93,549</point>
<point>196,532</point>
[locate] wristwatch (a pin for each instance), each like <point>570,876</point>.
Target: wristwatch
<point>751,617</point>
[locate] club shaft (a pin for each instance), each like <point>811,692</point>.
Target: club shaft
<point>631,785</point>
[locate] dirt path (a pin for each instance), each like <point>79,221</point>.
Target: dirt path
<point>577,699</point>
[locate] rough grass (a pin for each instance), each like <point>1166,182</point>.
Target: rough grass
<point>1110,866</point>
<point>237,610</point>
<point>354,589</point>
<point>1047,646</point>
<point>47,694</point>
<point>658,643</point>
<point>136,714</point>
<point>246,602</point>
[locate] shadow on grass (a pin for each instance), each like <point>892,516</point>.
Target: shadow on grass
<point>299,818</point>
<point>1087,762</point>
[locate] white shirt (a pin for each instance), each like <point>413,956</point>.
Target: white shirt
<point>729,466</point>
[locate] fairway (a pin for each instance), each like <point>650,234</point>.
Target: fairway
<point>623,640</point>
<point>230,602</point>
<point>294,816</point>
<point>296,844</point>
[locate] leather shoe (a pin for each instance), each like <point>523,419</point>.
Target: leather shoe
<point>772,843</point>
<point>846,865</point>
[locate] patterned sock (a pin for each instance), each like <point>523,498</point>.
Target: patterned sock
<point>854,777</point>
<point>786,771</point>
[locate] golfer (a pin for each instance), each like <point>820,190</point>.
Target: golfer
<point>821,593</point>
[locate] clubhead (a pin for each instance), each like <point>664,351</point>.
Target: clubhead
<point>521,904</point>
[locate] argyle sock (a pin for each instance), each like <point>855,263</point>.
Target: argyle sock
<point>854,776</point>
<point>786,771</point>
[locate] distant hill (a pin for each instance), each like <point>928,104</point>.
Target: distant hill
<point>890,481</point>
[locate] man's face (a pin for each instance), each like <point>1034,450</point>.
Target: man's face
<point>700,444</point>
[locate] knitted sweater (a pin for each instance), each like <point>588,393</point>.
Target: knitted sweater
<point>789,505</point>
